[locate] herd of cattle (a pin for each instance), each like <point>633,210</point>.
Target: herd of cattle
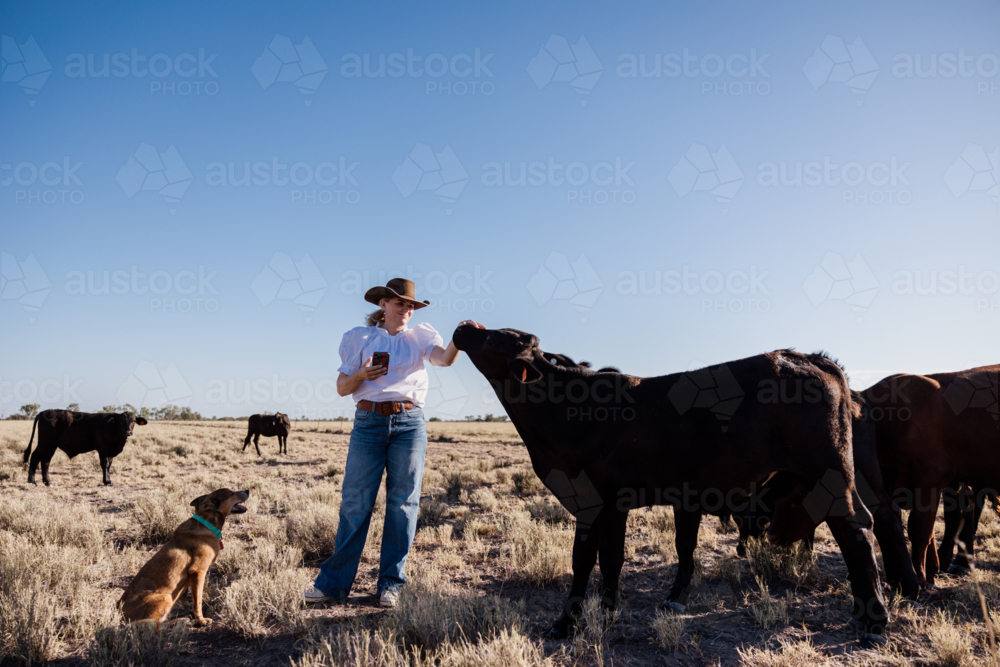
<point>777,441</point>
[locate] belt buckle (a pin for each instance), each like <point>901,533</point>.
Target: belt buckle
<point>385,408</point>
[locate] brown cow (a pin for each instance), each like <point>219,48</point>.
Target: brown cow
<point>268,426</point>
<point>933,431</point>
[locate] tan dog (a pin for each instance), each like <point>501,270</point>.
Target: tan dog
<point>182,562</point>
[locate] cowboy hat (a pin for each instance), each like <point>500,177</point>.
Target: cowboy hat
<point>397,287</point>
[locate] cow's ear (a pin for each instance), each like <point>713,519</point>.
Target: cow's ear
<point>141,421</point>
<point>524,371</point>
<point>197,501</point>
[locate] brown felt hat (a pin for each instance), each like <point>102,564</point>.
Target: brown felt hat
<point>397,287</point>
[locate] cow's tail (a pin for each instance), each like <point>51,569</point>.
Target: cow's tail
<point>27,452</point>
<point>847,409</point>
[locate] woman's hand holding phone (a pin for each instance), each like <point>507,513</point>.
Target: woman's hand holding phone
<point>368,372</point>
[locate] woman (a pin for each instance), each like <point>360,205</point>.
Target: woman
<point>389,434</point>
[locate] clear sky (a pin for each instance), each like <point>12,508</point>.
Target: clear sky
<point>659,186</point>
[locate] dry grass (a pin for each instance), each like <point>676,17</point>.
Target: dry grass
<point>489,569</point>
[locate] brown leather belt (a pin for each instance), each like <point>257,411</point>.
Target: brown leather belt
<point>386,408</point>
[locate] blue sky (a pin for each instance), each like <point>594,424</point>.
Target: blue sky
<point>673,172</point>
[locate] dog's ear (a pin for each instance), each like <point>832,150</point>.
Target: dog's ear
<point>197,501</point>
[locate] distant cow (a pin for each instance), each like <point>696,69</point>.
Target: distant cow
<point>268,426</point>
<point>77,433</point>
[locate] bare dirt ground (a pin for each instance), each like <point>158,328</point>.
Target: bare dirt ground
<point>489,569</point>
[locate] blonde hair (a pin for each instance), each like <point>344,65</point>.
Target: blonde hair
<point>375,318</point>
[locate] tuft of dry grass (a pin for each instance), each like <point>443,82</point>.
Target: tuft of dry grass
<point>768,611</point>
<point>669,629</point>
<point>433,612</point>
<point>774,564</point>
<point>29,625</point>
<point>138,645</point>
<point>526,482</point>
<point>950,645</point>
<point>789,654</point>
<point>534,552</point>
<point>267,592</point>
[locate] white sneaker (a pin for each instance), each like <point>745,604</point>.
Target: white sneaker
<point>315,595</point>
<point>388,598</point>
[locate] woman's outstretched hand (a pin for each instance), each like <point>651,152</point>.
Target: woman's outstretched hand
<point>471,323</point>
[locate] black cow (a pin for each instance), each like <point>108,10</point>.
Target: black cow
<point>605,443</point>
<point>76,433</point>
<point>268,426</point>
<point>868,478</point>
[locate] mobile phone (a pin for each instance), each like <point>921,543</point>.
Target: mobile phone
<point>380,359</point>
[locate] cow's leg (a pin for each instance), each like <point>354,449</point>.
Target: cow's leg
<point>45,473</point>
<point>32,467</point>
<point>686,524</point>
<point>968,537</point>
<point>105,469</point>
<point>584,557</point>
<point>853,535</point>
<point>256,443</point>
<point>611,547</point>
<point>283,444</point>
<point>899,571</point>
<point>921,530</point>
<point>246,441</point>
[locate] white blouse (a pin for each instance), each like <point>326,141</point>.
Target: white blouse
<point>407,378</point>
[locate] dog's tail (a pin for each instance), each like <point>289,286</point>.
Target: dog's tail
<point>27,452</point>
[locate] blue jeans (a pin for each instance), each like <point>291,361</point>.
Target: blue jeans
<point>397,444</point>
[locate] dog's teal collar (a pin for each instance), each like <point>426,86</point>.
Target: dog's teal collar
<point>215,531</point>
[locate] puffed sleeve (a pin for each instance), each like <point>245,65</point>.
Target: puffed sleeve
<point>427,339</point>
<point>350,350</point>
